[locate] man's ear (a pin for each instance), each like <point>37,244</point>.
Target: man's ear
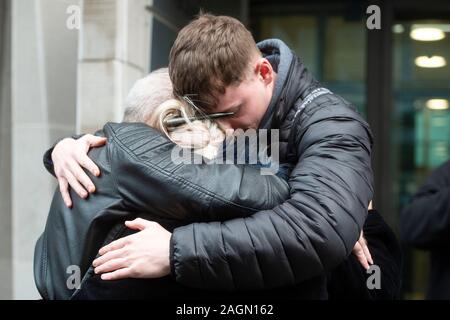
<point>264,70</point>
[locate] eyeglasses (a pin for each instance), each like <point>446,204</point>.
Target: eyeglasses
<point>177,121</point>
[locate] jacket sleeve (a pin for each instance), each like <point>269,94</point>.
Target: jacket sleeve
<point>425,221</point>
<point>310,233</point>
<point>48,162</point>
<point>349,280</point>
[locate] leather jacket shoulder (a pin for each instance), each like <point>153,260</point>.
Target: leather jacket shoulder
<point>150,180</point>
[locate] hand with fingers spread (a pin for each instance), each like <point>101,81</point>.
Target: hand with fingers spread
<point>142,255</point>
<point>69,158</point>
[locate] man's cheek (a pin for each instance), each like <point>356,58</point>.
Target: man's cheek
<point>234,124</point>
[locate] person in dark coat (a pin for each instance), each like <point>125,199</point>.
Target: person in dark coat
<point>320,134</point>
<point>425,225</point>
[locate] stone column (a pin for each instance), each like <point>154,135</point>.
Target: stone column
<point>114,53</point>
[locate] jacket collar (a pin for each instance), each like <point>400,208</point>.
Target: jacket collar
<point>294,81</point>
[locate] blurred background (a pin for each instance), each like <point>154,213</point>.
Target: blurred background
<point>67,65</point>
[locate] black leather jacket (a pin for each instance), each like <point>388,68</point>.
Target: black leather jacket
<point>140,179</point>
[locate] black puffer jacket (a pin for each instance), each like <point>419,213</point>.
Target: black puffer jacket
<point>139,179</point>
<point>330,187</point>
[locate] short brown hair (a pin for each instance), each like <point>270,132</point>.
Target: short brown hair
<point>209,54</point>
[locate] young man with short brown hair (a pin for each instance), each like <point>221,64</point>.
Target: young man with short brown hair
<point>217,64</point>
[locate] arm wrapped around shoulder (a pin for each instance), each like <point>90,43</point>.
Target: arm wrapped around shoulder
<point>311,232</point>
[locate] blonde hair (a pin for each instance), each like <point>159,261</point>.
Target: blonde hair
<point>205,137</point>
<point>151,101</point>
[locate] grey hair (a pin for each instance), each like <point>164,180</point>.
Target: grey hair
<point>151,101</point>
<point>146,95</point>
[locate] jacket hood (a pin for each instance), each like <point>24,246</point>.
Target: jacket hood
<point>293,81</point>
